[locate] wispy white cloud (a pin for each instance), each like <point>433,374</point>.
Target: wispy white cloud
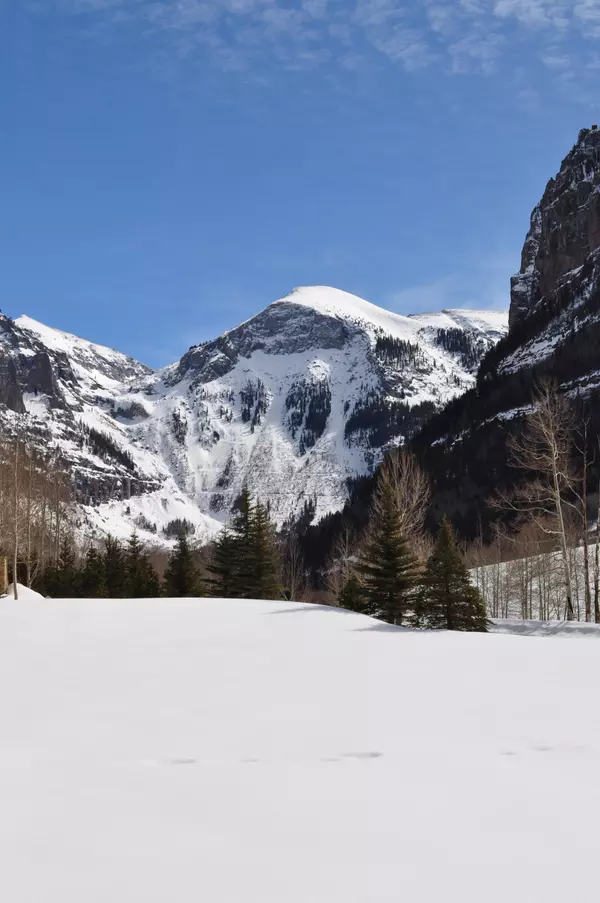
<point>483,285</point>
<point>456,36</point>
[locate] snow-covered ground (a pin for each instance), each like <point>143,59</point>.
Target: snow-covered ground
<point>546,628</point>
<point>266,752</point>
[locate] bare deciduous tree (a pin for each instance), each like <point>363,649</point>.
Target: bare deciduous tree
<point>293,566</point>
<point>16,500</point>
<point>544,450</point>
<point>31,484</point>
<point>410,486</point>
<point>341,562</point>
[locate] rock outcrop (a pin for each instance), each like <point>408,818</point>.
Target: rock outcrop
<point>554,332</point>
<point>565,229</point>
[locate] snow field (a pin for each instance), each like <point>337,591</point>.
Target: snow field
<point>266,752</point>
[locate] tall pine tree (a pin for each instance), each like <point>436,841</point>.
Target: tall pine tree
<point>182,578</point>
<point>387,567</point>
<point>66,572</point>
<point>223,581</point>
<point>264,576</point>
<point>447,600</point>
<point>141,579</point>
<point>242,529</point>
<point>92,580</point>
<point>352,596</point>
<point>246,562</point>
<point>114,569</point>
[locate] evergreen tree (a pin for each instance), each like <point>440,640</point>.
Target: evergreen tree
<point>65,574</point>
<point>246,561</point>
<point>264,582</point>
<point>181,576</point>
<point>92,579</point>
<point>447,599</point>
<point>352,596</point>
<point>141,579</point>
<point>223,582</point>
<point>242,531</point>
<point>49,582</point>
<point>387,566</point>
<point>114,569</point>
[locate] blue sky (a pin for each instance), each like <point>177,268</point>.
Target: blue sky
<point>169,167</point>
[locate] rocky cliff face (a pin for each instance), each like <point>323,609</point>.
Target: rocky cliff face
<point>293,402</point>
<point>554,332</point>
<point>564,232</point>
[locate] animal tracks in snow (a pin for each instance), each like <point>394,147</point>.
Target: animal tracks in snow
<point>179,761</point>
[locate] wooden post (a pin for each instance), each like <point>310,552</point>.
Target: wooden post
<point>3,575</point>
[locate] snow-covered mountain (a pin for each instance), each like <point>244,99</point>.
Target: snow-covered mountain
<point>304,395</point>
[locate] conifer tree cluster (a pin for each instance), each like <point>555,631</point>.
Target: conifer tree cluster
<point>182,577</point>
<point>447,600</point>
<point>112,572</point>
<point>245,564</point>
<point>389,583</point>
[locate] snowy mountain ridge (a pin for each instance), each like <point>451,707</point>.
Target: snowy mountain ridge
<point>307,393</point>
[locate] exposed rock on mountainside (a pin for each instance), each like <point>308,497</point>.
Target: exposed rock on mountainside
<point>554,332</point>
<point>565,229</point>
<point>301,397</point>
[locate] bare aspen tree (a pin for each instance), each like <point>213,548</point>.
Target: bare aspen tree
<point>29,459</point>
<point>31,487</point>
<point>341,561</point>
<point>40,558</point>
<point>582,448</point>
<point>410,487</point>
<point>15,560</point>
<point>294,569</point>
<point>544,448</point>
<point>3,456</point>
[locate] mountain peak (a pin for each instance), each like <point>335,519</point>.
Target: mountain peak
<point>292,403</point>
<point>341,305</point>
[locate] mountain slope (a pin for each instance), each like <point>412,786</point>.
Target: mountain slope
<point>302,396</point>
<point>305,394</point>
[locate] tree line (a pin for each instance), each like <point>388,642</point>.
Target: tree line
<point>391,579</point>
<point>244,562</point>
